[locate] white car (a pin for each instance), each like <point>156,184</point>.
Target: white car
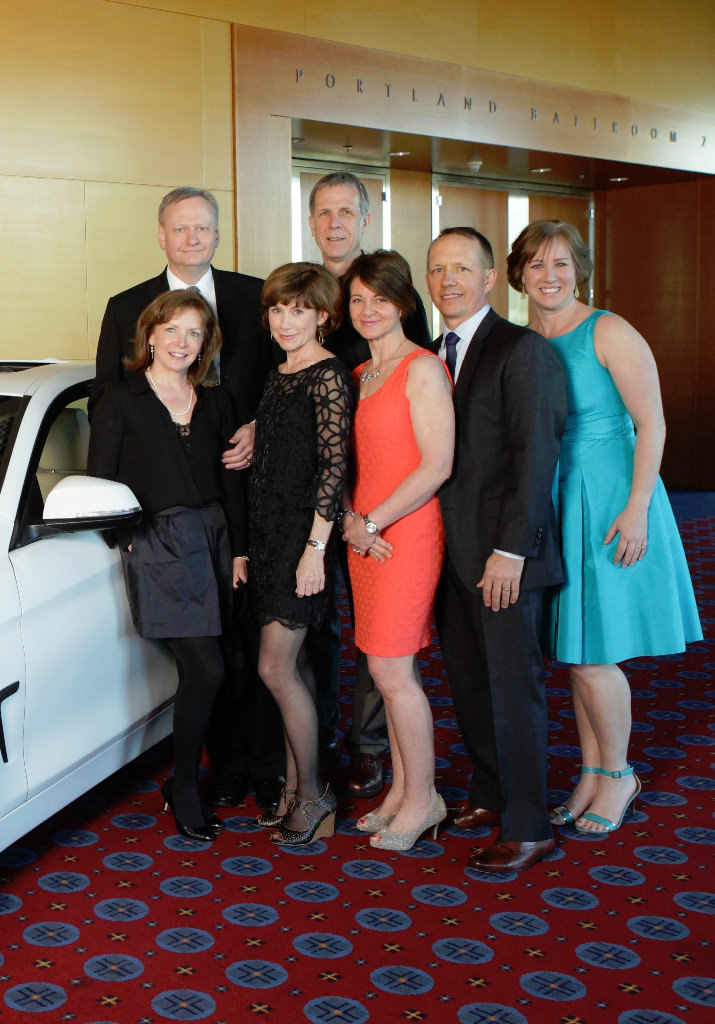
<point>80,693</point>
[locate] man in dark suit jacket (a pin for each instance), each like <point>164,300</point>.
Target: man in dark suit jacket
<point>339,213</point>
<point>502,548</point>
<point>188,233</point>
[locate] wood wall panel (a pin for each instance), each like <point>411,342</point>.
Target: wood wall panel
<point>647,251</point>
<point>109,92</point>
<point>43,269</point>
<point>571,209</point>
<point>653,50</point>
<point>263,184</point>
<point>411,196</point>
<point>703,473</point>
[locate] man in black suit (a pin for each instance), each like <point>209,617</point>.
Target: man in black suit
<point>502,548</point>
<point>245,737</point>
<point>339,213</point>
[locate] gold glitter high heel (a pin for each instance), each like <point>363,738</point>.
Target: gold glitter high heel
<point>372,822</point>
<point>386,840</point>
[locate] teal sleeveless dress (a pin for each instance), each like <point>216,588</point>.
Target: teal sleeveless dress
<point>604,614</point>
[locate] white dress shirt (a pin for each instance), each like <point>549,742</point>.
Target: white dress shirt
<point>205,285</point>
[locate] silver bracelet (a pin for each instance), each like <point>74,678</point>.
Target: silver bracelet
<point>319,545</point>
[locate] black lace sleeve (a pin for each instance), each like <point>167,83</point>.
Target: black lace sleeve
<point>333,397</point>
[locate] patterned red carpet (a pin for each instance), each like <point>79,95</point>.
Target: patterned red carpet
<point>106,915</point>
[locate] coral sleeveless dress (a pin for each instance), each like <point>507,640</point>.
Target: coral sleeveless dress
<point>393,600</point>
<point>605,614</point>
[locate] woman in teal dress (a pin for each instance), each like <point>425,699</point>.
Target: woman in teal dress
<point>627,592</point>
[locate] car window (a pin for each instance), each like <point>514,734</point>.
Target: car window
<point>60,451</point>
<point>64,452</point>
<point>8,412</point>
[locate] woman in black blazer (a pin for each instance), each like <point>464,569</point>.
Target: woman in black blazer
<point>162,432</point>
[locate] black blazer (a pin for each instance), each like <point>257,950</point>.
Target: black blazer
<point>246,353</point>
<point>133,440</point>
<point>510,405</point>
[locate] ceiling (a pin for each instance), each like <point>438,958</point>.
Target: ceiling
<point>370,147</point>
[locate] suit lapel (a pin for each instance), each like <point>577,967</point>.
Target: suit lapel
<point>473,355</point>
<point>156,286</point>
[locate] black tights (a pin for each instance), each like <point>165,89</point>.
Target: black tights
<point>201,671</point>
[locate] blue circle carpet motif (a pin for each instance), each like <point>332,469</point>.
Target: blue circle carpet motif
<point>108,916</point>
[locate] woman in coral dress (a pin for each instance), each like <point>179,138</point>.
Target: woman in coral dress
<point>403,443</point>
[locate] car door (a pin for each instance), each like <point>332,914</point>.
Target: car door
<point>13,780</point>
<point>89,679</point>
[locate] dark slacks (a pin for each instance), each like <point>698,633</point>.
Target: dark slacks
<point>245,734</point>
<point>496,675</point>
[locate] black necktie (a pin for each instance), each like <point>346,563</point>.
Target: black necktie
<point>450,340</point>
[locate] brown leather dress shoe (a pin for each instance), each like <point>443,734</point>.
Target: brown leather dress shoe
<point>365,779</point>
<point>474,817</point>
<point>510,856</point>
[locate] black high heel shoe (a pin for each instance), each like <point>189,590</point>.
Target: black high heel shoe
<point>212,820</point>
<point>205,834</point>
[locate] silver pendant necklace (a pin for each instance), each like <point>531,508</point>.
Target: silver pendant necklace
<point>367,377</point>
<point>172,412</point>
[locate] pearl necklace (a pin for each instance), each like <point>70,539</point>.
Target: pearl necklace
<point>172,412</point>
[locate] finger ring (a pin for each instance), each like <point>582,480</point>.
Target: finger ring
<point>356,550</point>
<point>507,590</point>
<point>249,460</point>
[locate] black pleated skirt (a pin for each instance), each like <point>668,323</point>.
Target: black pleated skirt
<point>179,573</point>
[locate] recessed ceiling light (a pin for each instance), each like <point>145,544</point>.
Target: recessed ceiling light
<point>400,152</point>
<point>618,179</point>
<point>540,170</point>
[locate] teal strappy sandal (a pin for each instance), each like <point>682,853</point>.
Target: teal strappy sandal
<point>561,815</point>
<point>608,825</point>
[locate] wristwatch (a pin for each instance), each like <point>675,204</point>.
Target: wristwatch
<point>319,545</point>
<point>370,526</point>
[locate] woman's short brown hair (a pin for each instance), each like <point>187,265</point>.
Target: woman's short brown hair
<point>308,284</point>
<point>163,309</point>
<point>543,232</point>
<point>387,274</point>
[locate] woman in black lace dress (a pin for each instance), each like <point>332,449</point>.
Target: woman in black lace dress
<point>299,469</point>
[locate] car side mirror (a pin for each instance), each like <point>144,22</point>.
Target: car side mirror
<point>85,503</point>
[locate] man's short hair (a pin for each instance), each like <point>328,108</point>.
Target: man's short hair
<point>187,192</point>
<point>476,236</point>
<point>341,178</point>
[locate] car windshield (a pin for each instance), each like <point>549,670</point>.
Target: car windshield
<point>9,406</point>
